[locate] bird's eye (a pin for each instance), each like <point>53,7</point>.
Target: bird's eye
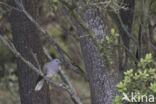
<point>57,61</point>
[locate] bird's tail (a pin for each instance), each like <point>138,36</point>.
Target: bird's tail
<point>40,83</point>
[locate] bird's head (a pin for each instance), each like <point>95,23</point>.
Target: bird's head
<point>57,61</point>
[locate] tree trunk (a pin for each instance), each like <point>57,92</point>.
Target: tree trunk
<point>26,39</point>
<point>102,79</point>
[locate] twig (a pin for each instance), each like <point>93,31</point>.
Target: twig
<point>5,4</point>
<point>36,60</point>
<point>18,55</point>
<point>126,49</point>
<point>111,4</point>
<point>106,3</point>
<point>73,93</point>
<point>154,47</point>
<point>46,53</point>
<point>124,28</point>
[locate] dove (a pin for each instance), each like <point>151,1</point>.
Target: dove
<point>49,69</point>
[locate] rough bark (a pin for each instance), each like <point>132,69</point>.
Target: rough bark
<point>102,79</point>
<point>26,39</point>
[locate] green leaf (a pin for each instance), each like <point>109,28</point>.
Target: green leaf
<point>112,31</point>
<point>120,85</point>
<point>153,87</point>
<point>151,71</point>
<point>55,1</point>
<point>117,35</point>
<point>107,38</point>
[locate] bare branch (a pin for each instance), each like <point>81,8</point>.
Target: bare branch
<point>48,37</point>
<point>46,53</point>
<point>124,28</point>
<point>73,93</point>
<point>67,86</point>
<point>152,45</point>
<point>36,60</point>
<point>9,6</point>
<point>18,55</point>
<point>128,51</point>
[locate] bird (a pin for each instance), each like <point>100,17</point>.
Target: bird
<point>49,69</point>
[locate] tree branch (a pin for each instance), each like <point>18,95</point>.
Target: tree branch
<point>65,79</point>
<point>48,37</point>
<point>83,25</point>
<point>124,28</point>
<point>9,6</point>
<point>68,87</point>
<point>127,50</point>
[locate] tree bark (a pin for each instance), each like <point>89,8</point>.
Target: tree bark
<point>102,79</point>
<point>26,39</point>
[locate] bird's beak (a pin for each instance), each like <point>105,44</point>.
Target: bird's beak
<point>61,62</point>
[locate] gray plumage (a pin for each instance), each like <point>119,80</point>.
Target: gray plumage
<point>49,69</point>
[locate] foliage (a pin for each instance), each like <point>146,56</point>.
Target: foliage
<point>9,85</point>
<point>109,42</point>
<point>139,82</point>
<point>55,1</point>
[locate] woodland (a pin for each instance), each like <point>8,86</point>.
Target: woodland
<point>105,51</point>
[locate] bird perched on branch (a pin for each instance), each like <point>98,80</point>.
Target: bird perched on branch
<point>49,69</point>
